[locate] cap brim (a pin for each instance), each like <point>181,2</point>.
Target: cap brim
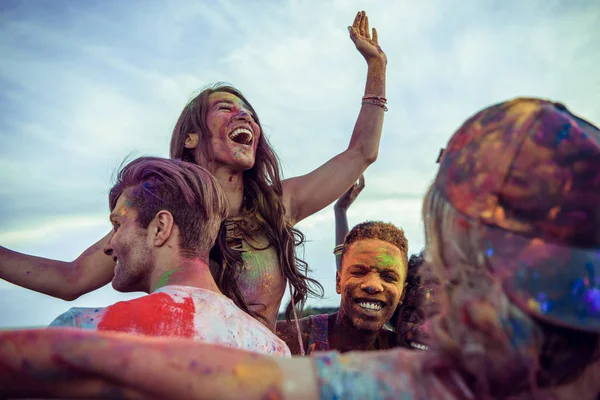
<point>556,283</point>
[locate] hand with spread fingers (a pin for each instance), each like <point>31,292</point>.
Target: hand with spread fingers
<point>366,43</point>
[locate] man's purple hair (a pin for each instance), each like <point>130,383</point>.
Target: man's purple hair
<point>188,191</point>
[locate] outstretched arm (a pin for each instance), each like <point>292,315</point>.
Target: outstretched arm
<point>88,364</point>
<point>341,220</point>
<point>66,280</point>
<point>307,194</point>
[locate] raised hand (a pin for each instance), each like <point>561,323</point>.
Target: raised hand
<point>367,44</point>
<point>346,200</point>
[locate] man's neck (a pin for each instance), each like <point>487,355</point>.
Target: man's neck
<point>345,336</point>
<point>193,272</point>
<point>232,183</point>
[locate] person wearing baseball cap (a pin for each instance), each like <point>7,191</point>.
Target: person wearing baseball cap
<point>512,226</point>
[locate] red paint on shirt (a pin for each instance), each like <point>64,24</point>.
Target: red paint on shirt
<point>154,315</point>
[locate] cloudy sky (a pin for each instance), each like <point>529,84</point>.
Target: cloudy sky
<point>83,84</point>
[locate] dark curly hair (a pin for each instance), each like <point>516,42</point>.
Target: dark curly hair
<point>411,309</point>
<point>410,315</point>
<point>377,230</point>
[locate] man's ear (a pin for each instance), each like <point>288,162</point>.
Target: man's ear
<point>191,141</point>
<point>162,227</point>
<point>403,293</point>
<point>338,287</point>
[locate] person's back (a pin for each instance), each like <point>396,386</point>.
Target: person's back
<point>180,311</point>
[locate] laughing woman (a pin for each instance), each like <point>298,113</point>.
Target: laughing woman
<point>255,257</point>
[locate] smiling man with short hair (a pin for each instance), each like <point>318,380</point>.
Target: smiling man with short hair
<point>371,281</point>
<point>166,216</point>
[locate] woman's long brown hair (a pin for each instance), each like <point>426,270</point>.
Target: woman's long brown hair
<point>262,203</point>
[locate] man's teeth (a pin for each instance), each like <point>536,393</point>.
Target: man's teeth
<point>241,136</point>
<point>370,306</point>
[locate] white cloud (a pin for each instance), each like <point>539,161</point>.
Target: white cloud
<point>44,228</point>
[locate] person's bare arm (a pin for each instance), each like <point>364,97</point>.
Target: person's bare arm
<point>307,194</point>
<point>65,280</point>
<point>116,365</point>
<point>341,219</point>
<point>89,364</point>
<point>72,388</point>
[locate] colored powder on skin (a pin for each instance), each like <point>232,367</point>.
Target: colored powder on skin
<point>254,265</point>
<point>390,261</point>
<point>123,210</point>
<point>203,369</point>
<point>268,281</point>
<point>253,274</point>
<point>165,278</point>
<point>257,274</point>
<point>157,315</point>
<point>64,365</point>
<point>387,260</point>
<point>261,376</point>
<point>261,280</point>
<point>246,372</point>
<point>564,134</point>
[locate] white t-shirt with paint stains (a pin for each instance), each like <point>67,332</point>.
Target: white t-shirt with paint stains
<point>180,311</point>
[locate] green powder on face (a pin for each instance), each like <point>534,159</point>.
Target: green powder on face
<point>165,278</point>
<point>387,260</point>
<point>255,264</point>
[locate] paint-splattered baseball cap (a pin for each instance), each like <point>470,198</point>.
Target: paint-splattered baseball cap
<point>529,171</point>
